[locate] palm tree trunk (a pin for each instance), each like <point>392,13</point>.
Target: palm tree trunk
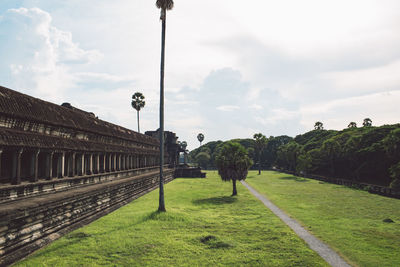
<point>234,193</point>
<point>161,204</point>
<point>138,129</point>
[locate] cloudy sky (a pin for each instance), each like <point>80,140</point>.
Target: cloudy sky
<point>233,68</point>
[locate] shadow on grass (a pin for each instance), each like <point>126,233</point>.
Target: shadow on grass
<point>164,216</point>
<point>215,200</point>
<point>294,178</point>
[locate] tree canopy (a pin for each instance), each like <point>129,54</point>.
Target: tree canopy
<point>260,142</point>
<point>233,163</point>
<point>318,126</point>
<point>364,154</point>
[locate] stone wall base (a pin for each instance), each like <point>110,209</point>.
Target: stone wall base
<point>30,224</point>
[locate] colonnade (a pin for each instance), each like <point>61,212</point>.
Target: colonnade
<point>18,165</point>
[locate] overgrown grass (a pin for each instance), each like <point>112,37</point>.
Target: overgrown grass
<point>203,226</point>
<point>352,221</point>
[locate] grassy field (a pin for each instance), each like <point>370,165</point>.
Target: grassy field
<point>203,226</point>
<point>349,220</point>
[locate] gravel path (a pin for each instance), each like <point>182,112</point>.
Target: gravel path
<point>315,244</point>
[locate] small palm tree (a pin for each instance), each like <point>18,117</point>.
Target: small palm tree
<point>200,137</point>
<point>164,5</point>
<point>233,163</point>
<point>367,122</point>
<point>260,143</point>
<point>352,125</point>
<point>138,103</point>
<point>318,125</point>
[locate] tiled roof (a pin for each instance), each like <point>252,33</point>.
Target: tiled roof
<point>17,138</point>
<point>18,105</point>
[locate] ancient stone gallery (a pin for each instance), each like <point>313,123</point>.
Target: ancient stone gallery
<point>62,167</point>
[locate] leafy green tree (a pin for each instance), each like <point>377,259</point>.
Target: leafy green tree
<point>331,148</point>
<point>233,163</point>
<point>395,174</point>
<point>203,159</point>
<point>270,152</point>
<point>304,163</point>
<point>367,122</point>
<point>138,103</point>
<point>350,154</point>
<point>287,155</point>
<point>164,5</point>
<point>392,143</point>
<point>352,125</point>
<point>318,126</point>
<point>260,142</point>
<point>251,153</point>
<point>200,137</point>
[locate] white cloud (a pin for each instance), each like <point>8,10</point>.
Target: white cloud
<point>227,108</point>
<point>282,62</point>
<point>381,78</point>
<point>37,53</point>
<point>382,108</point>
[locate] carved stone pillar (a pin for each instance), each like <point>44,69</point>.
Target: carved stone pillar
<point>109,162</point>
<point>1,152</point>
<point>90,171</point>
<point>61,165</point>
<point>97,163</point>
<point>35,166</point>
<point>72,166</point>
<point>83,171</point>
<point>104,163</point>
<point>118,162</point>
<point>50,162</point>
<point>16,167</point>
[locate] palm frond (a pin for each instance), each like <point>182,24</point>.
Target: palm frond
<point>165,4</point>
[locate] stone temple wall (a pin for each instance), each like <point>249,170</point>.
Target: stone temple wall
<point>62,167</point>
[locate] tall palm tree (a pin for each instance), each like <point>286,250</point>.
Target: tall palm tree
<point>318,125</point>
<point>260,142</point>
<point>138,103</point>
<point>164,5</point>
<point>200,137</point>
<point>367,122</point>
<point>352,125</point>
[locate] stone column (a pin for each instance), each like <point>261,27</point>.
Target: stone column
<point>50,161</point>
<point>83,171</point>
<point>109,162</point>
<point>119,163</point>
<point>97,163</point>
<point>1,152</point>
<point>16,167</point>
<point>62,165</point>
<point>104,163</point>
<point>90,164</point>
<point>115,162</point>
<point>33,172</point>
<point>73,167</point>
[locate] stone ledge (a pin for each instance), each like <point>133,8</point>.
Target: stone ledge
<point>30,225</point>
<point>15,192</point>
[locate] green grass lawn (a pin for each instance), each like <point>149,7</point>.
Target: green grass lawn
<point>203,226</point>
<point>349,220</point>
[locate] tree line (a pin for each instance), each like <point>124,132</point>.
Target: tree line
<point>366,154</point>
